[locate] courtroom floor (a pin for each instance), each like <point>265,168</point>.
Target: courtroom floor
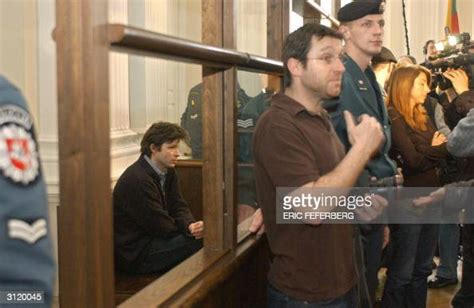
<point>437,298</point>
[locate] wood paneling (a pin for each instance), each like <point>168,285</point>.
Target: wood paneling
<point>230,162</point>
<point>310,15</point>
<point>212,130</point>
<point>190,182</point>
<point>85,215</point>
<point>237,280</point>
<point>278,25</point>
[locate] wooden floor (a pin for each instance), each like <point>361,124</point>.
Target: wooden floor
<point>437,298</point>
<point>441,298</point>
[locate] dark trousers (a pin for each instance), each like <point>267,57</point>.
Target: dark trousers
<point>372,240</point>
<point>164,254</point>
<point>465,296</point>
<point>278,299</point>
<point>408,270</point>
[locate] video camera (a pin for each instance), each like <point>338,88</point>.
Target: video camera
<point>453,53</point>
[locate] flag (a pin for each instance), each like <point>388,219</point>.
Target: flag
<point>452,20</point>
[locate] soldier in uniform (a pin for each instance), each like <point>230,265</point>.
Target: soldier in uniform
<point>362,26</point>
<point>245,124</point>
<point>191,119</point>
<point>26,261</point>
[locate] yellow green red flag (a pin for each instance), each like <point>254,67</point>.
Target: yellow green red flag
<point>452,20</point>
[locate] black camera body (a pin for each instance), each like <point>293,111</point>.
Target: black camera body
<point>453,57</point>
<point>437,67</point>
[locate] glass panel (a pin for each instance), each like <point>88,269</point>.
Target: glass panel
<point>251,23</point>
<point>254,95</point>
<point>180,18</point>
<point>158,90</point>
<point>163,90</point>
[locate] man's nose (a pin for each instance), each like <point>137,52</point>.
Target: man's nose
<point>378,29</point>
<point>340,66</point>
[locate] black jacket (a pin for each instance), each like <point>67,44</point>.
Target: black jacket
<point>453,113</point>
<point>414,154</point>
<point>143,211</point>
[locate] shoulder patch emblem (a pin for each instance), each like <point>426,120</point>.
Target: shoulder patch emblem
<point>18,154</point>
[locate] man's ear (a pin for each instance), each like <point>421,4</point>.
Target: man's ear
<point>345,31</point>
<point>295,67</point>
<point>154,148</point>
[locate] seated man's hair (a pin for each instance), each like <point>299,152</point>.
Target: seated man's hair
<point>159,133</point>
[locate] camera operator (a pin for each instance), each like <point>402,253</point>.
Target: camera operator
<point>458,100</point>
<point>429,50</point>
<point>448,242</point>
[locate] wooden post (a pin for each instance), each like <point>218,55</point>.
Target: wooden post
<point>212,131</point>
<point>219,131</point>
<point>310,15</point>
<point>86,277</point>
<point>278,27</point>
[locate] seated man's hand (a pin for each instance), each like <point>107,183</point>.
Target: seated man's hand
<point>257,225</point>
<point>196,229</point>
<point>369,213</point>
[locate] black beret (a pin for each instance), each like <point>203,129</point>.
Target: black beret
<point>384,56</point>
<point>358,9</point>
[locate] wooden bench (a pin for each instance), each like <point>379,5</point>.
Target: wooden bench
<point>190,180</point>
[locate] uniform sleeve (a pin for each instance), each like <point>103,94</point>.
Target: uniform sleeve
<point>141,201</point>
<point>26,258</point>
<point>284,154</point>
<point>460,141</point>
<point>178,208</point>
<point>335,108</point>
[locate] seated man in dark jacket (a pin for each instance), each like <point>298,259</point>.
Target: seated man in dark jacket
<point>153,227</point>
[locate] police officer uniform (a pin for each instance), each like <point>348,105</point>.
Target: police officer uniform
<point>26,261</point>
<point>361,94</point>
<point>245,124</point>
<point>191,119</point>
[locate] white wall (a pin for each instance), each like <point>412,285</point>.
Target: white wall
<point>425,19</point>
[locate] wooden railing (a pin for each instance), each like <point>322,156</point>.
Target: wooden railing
<point>85,227</point>
<point>134,40</point>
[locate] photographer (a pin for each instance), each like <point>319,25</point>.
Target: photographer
<point>448,243</point>
<point>458,100</point>
<point>429,50</point>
